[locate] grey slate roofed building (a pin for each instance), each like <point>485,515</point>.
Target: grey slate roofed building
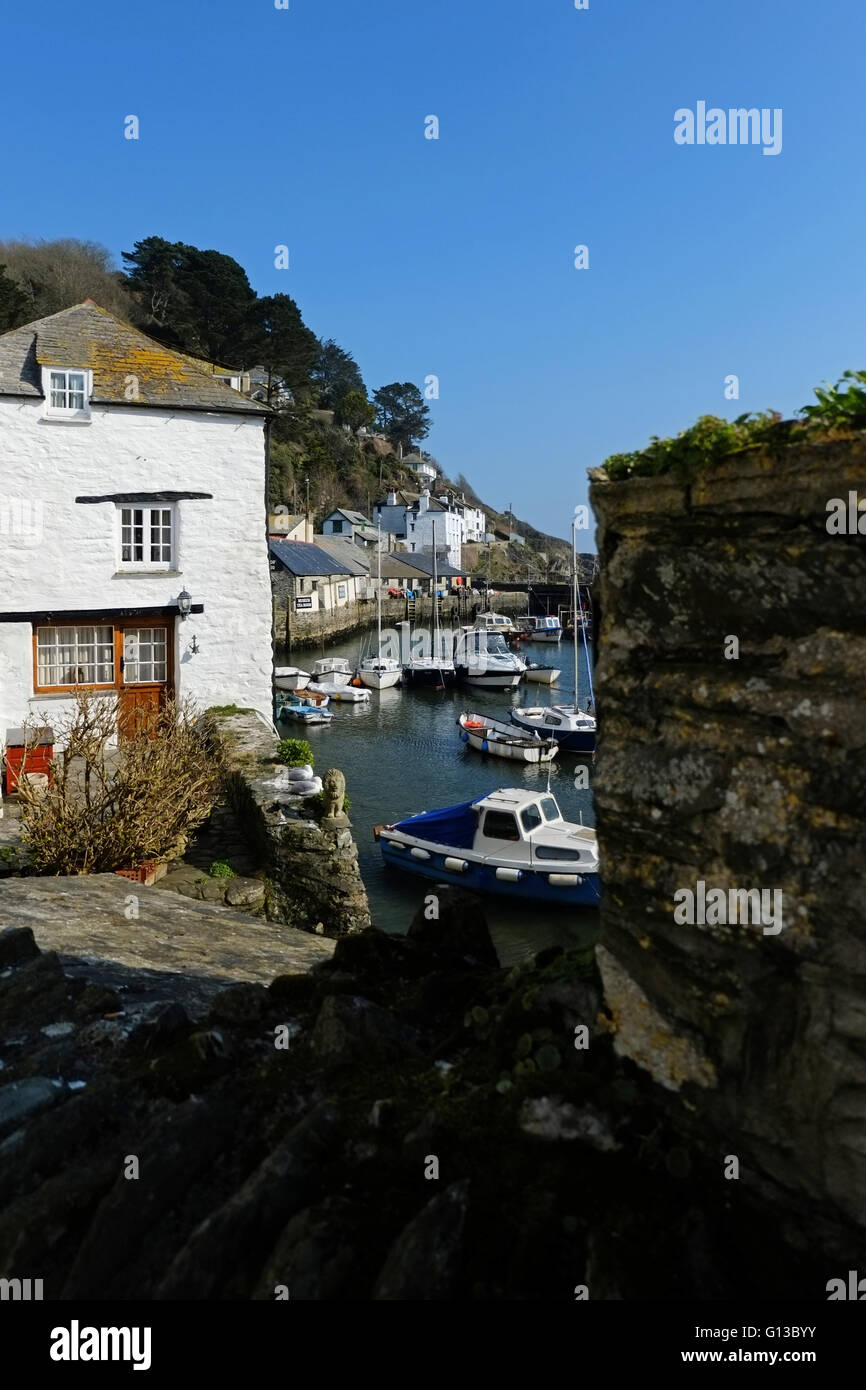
<point>304,559</point>
<point>347,554</point>
<point>88,338</point>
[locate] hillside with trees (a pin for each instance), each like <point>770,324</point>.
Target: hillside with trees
<point>333,440</point>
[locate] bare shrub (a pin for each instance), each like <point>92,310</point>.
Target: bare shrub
<point>116,807</point>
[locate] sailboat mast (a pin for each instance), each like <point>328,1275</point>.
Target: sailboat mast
<point>379,586</point>
<point>574,603</point>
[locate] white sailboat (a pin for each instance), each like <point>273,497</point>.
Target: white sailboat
<point>573,728</point>
<point>436,670</point>
<point>379,672</point>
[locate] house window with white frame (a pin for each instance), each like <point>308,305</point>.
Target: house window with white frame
<point>67,392</point>
<point>147,537</point>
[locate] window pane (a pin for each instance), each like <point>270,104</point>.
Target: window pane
<point>75,656</point>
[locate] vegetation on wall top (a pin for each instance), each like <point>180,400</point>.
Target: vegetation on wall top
<point>839,408</point>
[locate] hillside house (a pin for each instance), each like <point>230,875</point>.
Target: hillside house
<point>353,526</point>
<point>133,553</point>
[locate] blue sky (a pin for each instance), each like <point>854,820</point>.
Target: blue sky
<point>455,257</point>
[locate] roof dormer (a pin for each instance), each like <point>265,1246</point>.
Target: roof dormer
<point>67,392</point>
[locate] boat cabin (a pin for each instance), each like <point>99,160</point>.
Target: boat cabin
<point>494,622</point>
<point>544,625</point>
<point>509,826</point>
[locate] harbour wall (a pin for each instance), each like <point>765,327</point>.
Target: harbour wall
<point>731,690</point>
<point>303,630</point>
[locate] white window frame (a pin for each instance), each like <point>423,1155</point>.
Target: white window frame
<point>147,510</point>
<point>49,387</point>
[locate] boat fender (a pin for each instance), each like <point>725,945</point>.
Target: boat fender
<point>464,737</point>
<point>457,866</point>
<point>418,853</point>
<point>563,880</point>
<point>509,875</point>
<point>485,746</point>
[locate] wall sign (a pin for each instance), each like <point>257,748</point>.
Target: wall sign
<point>306,602</point>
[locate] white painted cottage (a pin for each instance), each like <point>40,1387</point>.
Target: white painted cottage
<point>132,488</point>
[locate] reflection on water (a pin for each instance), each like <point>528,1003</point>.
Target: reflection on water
<point>401,754</point>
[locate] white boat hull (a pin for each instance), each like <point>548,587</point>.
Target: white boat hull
<point>290,678</point>
<point>542,675</point>
<point>347,693</point>
<point>380,676</point>
<point>503,741</point>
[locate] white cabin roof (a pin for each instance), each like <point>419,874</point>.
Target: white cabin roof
<point>510,799</point>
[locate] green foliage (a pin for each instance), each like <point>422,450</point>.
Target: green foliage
<point>839,405</point>
<point>220,868</point>
<point>13,303</point>
<point>402,413</point>
<point>355,410</point>
<point>696,448</point>
<point>295,752</point>
<point>335,373</point>
<point>282,342</point>
<point>227,709</point>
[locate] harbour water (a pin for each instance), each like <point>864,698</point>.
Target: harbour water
<point>401,753</point>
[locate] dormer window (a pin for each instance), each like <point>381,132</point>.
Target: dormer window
<point>67,393</point>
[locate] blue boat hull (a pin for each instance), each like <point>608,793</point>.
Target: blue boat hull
<point>571,742</point>
<point>479,878</point>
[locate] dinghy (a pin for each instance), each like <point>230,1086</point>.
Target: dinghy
<point>541,675</point>
<point>302,711</point>
<point>290,678</point>
<point>512,843</point>
<point>348,693</point>
<point>490,736</point>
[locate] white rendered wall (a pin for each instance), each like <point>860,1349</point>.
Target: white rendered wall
<point>62,555</point>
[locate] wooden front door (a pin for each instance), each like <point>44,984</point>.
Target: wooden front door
<point>144,675</point>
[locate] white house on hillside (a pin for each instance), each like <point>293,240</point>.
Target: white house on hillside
<point>132,490</point>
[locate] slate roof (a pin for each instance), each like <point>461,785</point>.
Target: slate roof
<point>89,337</point>
<point>348,554</point>
<point>424,564</point>
<point>397,563</point>
<point>356,518</point>
<point>303,558</point>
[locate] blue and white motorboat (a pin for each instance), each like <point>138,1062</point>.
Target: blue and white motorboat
<point>572,727</point>
<point>543,629</point>
<point>511,842</point>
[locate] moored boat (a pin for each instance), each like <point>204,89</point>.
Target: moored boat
<point>333,669</point>
<point>290,678</point>
<point>302,711</point>
<point>541,675</point>
<point>348,693</point>
<point>543,629</point>
<point>380,672</point>
<point>503,740</point>
<point>511,842</point>
<point>573,728</point>
<point>482,659</point>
